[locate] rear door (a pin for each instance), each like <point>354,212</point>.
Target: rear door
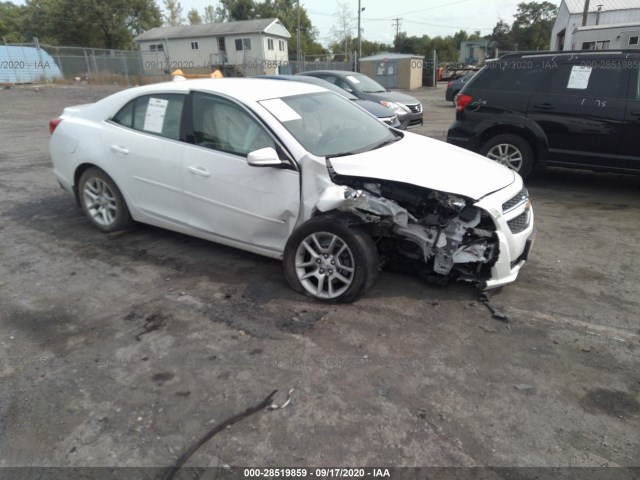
<point>631,135</point>
<point>581,110</point>
<point>144,155</point>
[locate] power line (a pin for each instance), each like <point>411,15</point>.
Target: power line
<point>397,22</point>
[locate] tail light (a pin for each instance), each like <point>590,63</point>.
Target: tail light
<point>53,123</point>
<point>462,101</point>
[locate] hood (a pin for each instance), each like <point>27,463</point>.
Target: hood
<point>374,108</point>
<point>395,97</point>
<point>428,163</point>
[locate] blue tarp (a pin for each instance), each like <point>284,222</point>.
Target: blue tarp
<point>26,65</point>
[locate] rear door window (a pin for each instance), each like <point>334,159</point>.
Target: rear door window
<point>158,114</point>
<point>590,79</point>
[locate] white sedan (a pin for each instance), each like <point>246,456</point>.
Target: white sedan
<point>295,172</point>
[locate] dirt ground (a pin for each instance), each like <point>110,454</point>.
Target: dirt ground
<point>121,350</point>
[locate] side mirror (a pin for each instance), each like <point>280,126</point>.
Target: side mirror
<point>265,157</point>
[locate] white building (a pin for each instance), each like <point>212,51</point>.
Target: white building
<point>601,13</point>
<point>255,45</point>
<point>606,37</point>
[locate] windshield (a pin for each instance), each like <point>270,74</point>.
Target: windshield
<point>364,84</point>
<point>328,125</point>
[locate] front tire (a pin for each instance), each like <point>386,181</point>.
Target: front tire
<point>102,202</point>
<point>511,151</point>
<point>329,260</point>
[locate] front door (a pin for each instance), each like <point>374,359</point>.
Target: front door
<point>225,195</point>
<point>631,136</point>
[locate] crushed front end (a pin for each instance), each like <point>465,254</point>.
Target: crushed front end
<point>440,236</point>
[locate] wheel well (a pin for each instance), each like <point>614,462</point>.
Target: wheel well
<point>76,178</point>
<point>505,129</point>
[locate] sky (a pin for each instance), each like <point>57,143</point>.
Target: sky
<point>419,17</point>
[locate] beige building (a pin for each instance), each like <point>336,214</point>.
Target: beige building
<point>253,46</point>
<point>394,70</point>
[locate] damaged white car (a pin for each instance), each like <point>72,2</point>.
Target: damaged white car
<point>295,172</point>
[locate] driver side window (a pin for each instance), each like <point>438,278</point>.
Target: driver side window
<point>221,125</point>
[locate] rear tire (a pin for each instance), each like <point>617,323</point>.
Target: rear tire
<point>512,151</point>
<point>330,261</point>
<point>102,202</point>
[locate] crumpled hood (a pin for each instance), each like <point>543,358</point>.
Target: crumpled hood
<point>397,97</point>
<point>428,163</point>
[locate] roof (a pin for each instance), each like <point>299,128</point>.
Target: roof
<point>243,89</point>
<point>605,26</point>
<point>209,29</point>
<point>577,6</point>
<point>390,56</point>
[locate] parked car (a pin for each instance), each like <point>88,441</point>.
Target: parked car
<point>294,172</point>
<point>408,108</point>
<point>374,108</point>
<point>569,109</point>
<point>454,86</point>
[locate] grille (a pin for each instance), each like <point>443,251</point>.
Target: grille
<point>417,108</point>
<point>513,202</point>
<point>520,223</point>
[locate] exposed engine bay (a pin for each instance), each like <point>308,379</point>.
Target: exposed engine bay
<point>442,236</point>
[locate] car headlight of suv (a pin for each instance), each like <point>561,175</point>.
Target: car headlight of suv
<point>397,108</point>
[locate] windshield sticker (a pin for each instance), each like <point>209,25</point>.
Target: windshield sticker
<point>353,79</point>
<point>280,110</point>
<point>154,120</point>
<point>579,78</point>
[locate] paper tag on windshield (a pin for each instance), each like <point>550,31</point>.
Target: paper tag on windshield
<point>353,79</point>
<point>579,78</point>
<point>154,119</point>
<point>280,110</point>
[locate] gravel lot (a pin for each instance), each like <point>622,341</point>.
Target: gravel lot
<point>121,350</point>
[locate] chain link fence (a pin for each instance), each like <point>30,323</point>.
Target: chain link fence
<point>35,62</point>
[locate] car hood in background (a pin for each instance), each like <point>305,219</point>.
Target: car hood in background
<point>393,97</point>
<point>428,163</point>
<point>374,108</point>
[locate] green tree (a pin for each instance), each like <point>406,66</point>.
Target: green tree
<point>210,15</point>
<point>502,37</point>
<point>92,23</point>
<point>194,17</point>
<point>287,12</point>
<point>372,48</point>
<point>173,16</point>
<point>11,18</point>
<point>533,24</point>
<point>234,10</point>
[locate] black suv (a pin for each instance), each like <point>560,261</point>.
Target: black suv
<point>576,109</point>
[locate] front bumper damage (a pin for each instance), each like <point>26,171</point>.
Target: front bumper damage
<point>440,235</point>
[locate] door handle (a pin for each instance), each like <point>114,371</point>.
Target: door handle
<point>199,171</point>
<point>120,149</point>
<point>544,106</point>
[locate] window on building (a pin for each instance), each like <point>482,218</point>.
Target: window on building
<point>243,44</point>
<point>269,43</point>
<point>156,47</point>
<point>281,45</point>
<point>601,45</point>
<point>633,40</point>
<point>194,45</point>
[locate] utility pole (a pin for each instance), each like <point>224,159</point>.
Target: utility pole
<point>359,38</point>
<point>397,22</point>
<point>585,12</point>
<point>298,52</point>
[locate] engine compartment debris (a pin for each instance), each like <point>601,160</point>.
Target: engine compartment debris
<point>449,236</point>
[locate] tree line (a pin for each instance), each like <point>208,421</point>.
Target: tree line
<point>113,24</point>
